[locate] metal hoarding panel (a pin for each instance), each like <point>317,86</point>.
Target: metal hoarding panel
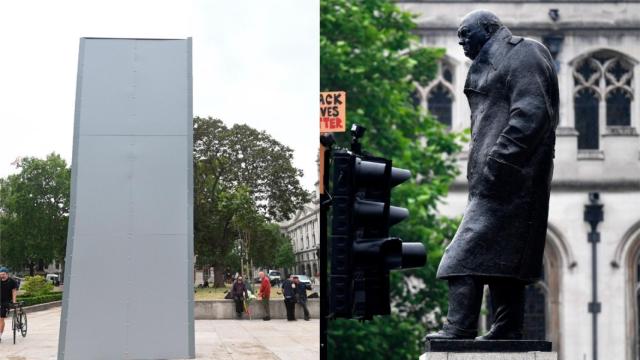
<point>128,290</point>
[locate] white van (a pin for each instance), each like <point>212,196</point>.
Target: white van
<point>53,278</point>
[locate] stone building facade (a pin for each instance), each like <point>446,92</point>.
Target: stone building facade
<point>596,45</point>
<point>304,231</point>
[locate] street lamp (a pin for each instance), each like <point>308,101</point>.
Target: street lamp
<point>594,214</point>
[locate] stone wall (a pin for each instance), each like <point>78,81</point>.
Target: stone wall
<point>225,309</point>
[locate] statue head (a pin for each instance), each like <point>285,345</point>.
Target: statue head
<point>476,28</point>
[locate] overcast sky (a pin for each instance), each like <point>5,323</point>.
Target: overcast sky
<point>254,62</point>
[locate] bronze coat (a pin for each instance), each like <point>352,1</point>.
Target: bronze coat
<point>512,88</point>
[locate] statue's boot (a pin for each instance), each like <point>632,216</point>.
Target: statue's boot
<point>497,334</point>
<point>450,332</point>
<point>507,303</point>
<point>465,298</point>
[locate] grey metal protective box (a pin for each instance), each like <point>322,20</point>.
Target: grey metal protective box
<point>128,289</point>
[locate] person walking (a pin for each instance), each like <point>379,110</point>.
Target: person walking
<point>301,296</point>
<point>264,293</point>
<point>8,293</point>
<point>239,294</point>
<point>289,292</point>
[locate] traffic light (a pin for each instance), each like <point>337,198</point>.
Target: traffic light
<point>362,253</point>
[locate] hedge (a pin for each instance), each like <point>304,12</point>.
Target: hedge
<point>34,300</point>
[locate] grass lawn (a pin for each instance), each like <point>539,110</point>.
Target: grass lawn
<point>219,293</point>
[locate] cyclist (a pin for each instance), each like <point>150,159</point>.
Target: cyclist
<point>8,293</point>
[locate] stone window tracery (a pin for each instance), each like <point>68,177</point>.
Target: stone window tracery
<point>437,96</point>
<point>603,93</point>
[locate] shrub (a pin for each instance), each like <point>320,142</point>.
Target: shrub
<point>383,338</point>
<point>36,286</point>
<point>34,300</point>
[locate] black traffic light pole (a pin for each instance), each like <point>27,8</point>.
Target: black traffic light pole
<point>593,214</point>
<point>327,142</point>
<point>362,253</point>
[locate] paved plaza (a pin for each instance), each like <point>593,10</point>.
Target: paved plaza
<point>215,339</point>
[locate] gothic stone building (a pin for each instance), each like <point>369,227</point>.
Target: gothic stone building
<point>304,232</point>
<point>596,45</point>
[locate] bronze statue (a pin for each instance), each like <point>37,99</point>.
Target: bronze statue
<point>512,89</point>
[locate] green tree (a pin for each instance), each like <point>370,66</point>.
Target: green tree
<point>264,252</point>
<point>368,50</point>
<point>247,222</point>
<point>285,258</point>
<point>216,232</point>
<point>34,212</point>
<point>242,175</point>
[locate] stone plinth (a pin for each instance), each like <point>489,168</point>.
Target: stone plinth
<point>488,350</point>
<point>534,355</point>
<point>487,346</point>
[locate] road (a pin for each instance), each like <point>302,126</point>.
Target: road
<point>215,339</point>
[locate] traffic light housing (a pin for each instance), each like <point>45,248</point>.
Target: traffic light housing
<point>362,253</point>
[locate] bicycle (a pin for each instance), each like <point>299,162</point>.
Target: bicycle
<point>19,320</point>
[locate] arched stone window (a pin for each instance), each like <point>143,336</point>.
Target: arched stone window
<point>637,304</point>
<point>586,112</point>
<point>535,310</point>
<point>603,94</point>
<point>437,97</point>
<point>439,104</point>
<point>627,256</point>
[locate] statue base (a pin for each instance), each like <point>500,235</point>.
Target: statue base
<point>488,350</point>
<point>536,355</point>
<point>487,345</point>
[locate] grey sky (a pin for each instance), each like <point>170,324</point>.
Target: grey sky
<point>254,62</point>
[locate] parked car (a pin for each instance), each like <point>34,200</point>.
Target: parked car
<point>274,277</point>
<point>305,280</point>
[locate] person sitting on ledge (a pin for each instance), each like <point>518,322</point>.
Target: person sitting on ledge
<point>239,294</point>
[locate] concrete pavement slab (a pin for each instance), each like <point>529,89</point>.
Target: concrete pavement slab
<point>215,339</point>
